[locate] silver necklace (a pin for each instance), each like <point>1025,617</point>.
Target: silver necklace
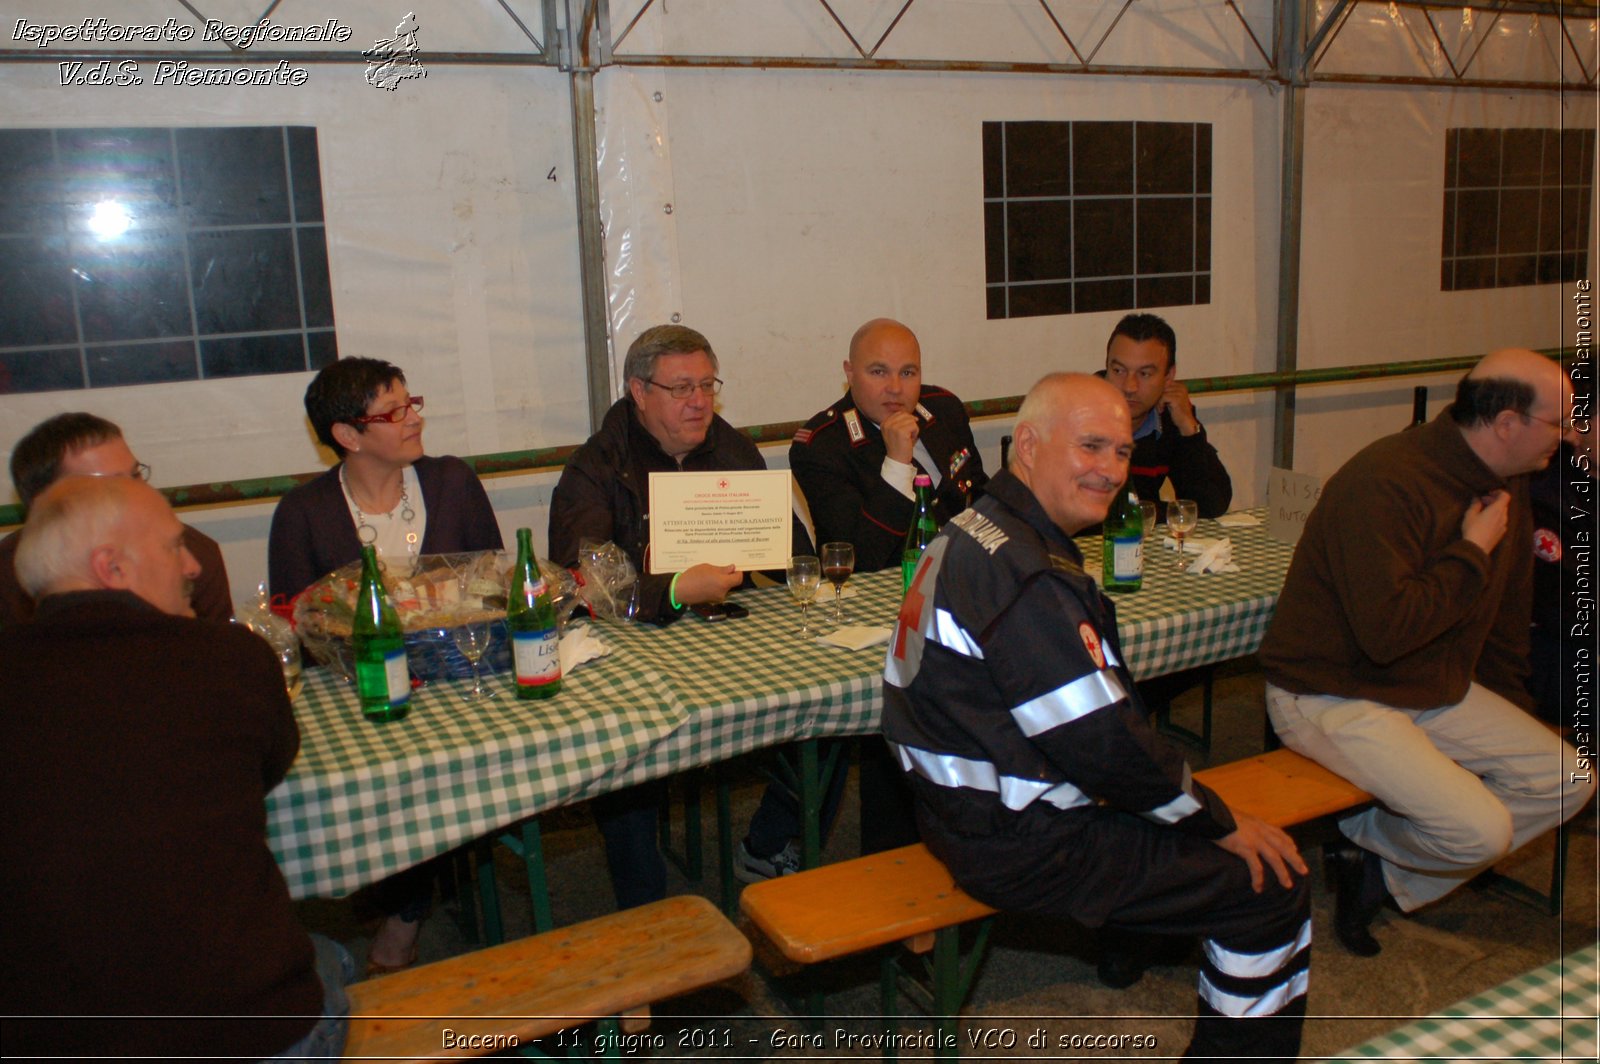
<point>367,534</point>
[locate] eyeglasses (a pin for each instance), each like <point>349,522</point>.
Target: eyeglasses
<point>683,391</point>
<point>1563,426</point>
<point>393,417</point>
<point>140,471</point>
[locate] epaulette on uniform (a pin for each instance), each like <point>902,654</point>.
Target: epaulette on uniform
<point>1064,564</point>
<point>808,432</point>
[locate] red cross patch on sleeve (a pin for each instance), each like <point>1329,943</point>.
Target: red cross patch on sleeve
<point>1546,545</point>
<point>1091,643</point>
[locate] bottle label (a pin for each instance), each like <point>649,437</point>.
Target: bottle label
<point>1127,559</point>
<point>537,657</point>
<point>397,676</point>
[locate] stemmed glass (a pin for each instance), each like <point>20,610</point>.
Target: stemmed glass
<point>805,576</point>
<point>838,561</point>
<point>1148,512</point>
<point>1182,515</point>
<point>472,639</point>
<point>289,658</point>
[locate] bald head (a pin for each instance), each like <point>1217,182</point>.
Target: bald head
<point>1058,394</point>
<point>1516,363</point>
<point>88,533</point>
<point>884,369</point>
<point>1072,442</point>
<point>1513,409</point>
<point>875,331</point>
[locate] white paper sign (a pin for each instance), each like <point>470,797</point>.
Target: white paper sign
<point>735,517</point>
<point>1290,498</point>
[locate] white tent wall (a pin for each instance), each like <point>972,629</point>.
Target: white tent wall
<point>1372,230</point>
<point>453,252</point>
<point>802,203</point>
<point>806,202</point>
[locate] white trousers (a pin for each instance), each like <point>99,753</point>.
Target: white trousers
<point>1458,787</point>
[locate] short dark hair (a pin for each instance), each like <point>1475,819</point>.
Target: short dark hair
<point>342,391</point>
<point>1142,327</point>
<point>36,459</point>
<point>646,351</point>
<point>1479,400</point>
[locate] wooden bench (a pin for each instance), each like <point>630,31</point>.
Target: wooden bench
<point>1282,788</point>
<point>907,895</point>
<point>503,996</point>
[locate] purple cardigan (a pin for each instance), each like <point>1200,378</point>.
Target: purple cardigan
<point>312,534</point>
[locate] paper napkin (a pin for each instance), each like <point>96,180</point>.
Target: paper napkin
<point>857,636</point>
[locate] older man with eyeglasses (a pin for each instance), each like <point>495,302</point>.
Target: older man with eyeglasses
<point>1398,653</point>
<point>667,422</point>
<point>82,444</point>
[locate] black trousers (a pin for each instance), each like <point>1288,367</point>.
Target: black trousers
<point>1109,869</point>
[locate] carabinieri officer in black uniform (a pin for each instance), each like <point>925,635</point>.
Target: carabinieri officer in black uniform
<point>855,460</point>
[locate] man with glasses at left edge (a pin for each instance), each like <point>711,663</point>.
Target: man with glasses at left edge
<point>82,444</point>
<point>666,422</point>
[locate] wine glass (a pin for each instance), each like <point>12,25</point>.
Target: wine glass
<point>805,576</point>
<point>1182,515</point>
<point>472,639</point>
<point>289,659</point>
<point>838,561</point>
<point>1148,512</point>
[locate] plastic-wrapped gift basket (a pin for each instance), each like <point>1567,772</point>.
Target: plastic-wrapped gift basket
<point>433,594</point>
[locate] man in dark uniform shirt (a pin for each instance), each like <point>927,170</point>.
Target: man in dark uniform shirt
<point>1039,783</point>
<point>1168,440</point>
<point>855,460</point>
<point>1169,443</point>
<point>79,444</point>
<point>855,463</point>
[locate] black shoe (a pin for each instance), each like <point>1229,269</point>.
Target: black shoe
<point>1124,958</point>
<point>1357,879</point>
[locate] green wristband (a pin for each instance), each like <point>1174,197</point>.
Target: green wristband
<point>672,593</point>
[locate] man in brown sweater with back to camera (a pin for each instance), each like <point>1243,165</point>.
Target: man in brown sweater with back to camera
<point>145,915</point>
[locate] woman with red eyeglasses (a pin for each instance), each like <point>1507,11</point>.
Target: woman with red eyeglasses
<point>386,492</point>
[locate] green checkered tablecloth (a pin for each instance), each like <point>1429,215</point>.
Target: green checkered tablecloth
<point>1546,1014</point>
<point>364,801</point>
<point>1178,620</point>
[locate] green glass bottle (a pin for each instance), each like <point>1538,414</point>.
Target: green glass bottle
<point>382,679</point>
<point>531,622</point>
<point>923,528</point>
<point>1122,544</point>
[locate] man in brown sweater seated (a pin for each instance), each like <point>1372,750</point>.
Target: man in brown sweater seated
<point>145,914</point>
<point>1398,652</point>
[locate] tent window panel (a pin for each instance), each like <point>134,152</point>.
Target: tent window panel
<point>1084,217</point>
<point>1516,207</point>
<point>155,254</point>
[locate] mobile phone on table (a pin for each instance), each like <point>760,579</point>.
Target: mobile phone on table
<point>716,611</point>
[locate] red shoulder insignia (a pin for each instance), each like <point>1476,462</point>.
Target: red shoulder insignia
<point>811,429</point>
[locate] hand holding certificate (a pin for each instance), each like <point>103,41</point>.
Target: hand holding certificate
<point>735,517</point>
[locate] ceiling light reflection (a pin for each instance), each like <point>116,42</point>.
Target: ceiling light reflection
<point>109,220</point>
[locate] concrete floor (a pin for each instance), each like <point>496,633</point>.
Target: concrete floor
<point>1040,976</point>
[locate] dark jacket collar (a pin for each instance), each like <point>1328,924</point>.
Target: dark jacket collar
<point>67,603</point>
<point>621,429</point>
<point>1019,498</point>
<point>1443,438</point>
